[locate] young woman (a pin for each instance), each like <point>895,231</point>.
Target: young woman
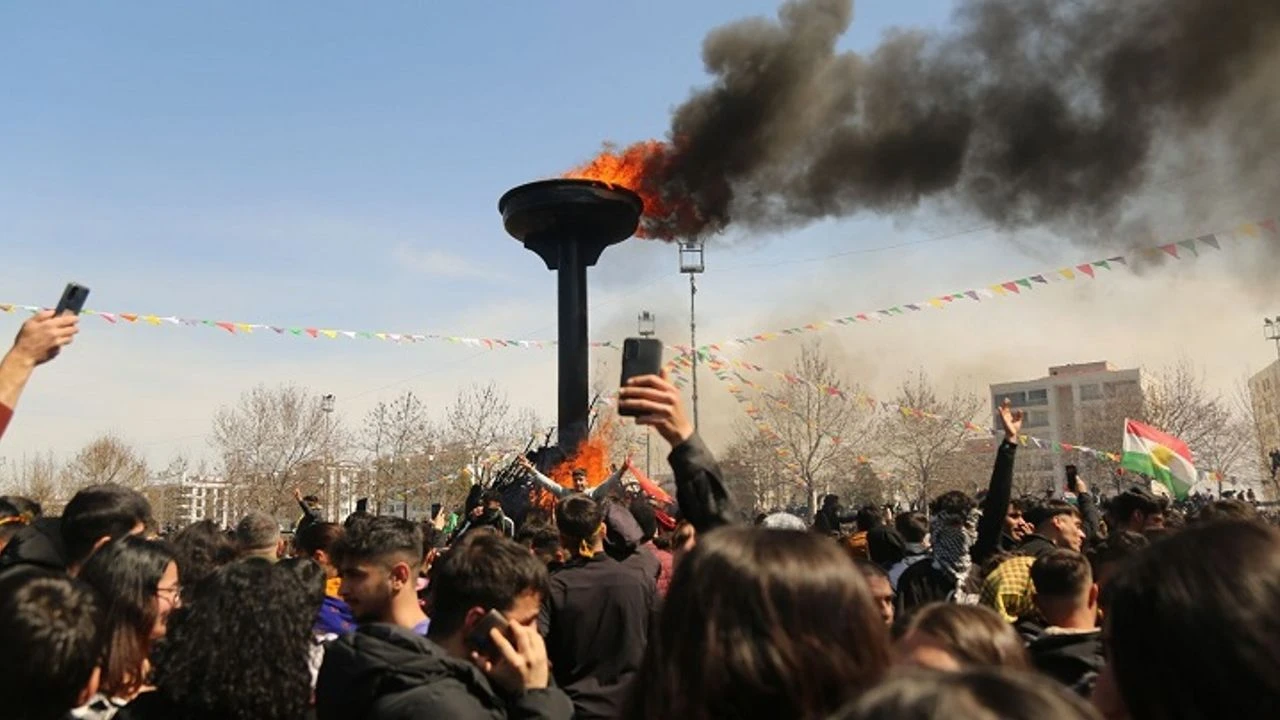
<point>239,649</point>
<point>969,695</point>
<point>761,623</point>
<point>951,637</point>
<point>137,584</point>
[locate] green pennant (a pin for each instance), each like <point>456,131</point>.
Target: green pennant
<point>1025,282</point>
<point>1102,264</point>
<point>296,331</point>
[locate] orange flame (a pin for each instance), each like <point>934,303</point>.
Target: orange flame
<point>637,168</point>
<point>592,456</point>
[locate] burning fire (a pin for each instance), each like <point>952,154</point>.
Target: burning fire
<point>639,167</point>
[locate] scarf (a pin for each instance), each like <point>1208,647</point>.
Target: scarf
<point>952,536</point>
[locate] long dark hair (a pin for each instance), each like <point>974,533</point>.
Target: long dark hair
<point>202,548</point>
<point>1200,604</point>
<point>126,573</point>
<point>761,623</point>
<point>969,695</point>
<point>240,647</point>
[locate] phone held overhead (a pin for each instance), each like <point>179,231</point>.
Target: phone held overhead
<point>73,299</point>
<point>640,357</point>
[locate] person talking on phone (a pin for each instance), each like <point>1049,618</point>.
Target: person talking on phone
<point>482,656</point>
<point>38,341</point>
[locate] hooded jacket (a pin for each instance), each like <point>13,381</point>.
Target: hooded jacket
<point>1072,659</point>
<point>37,546</point>
<point>383,672</point>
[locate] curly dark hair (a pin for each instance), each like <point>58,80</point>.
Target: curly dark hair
<point>202,548</point>
<point>240,648</point>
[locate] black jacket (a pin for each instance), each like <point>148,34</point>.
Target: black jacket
<point>1073,659</point>
<point>995,506</point>
<point>383,672</point>
<point>1036,545</point>
<point>704,501</point>
<point>596,621</point>
<point>37,546</point>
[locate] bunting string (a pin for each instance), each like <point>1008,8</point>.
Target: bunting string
<point>1181,249</point>
<point>247,328</point>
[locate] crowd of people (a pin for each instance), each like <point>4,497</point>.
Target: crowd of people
<point>972,608</point>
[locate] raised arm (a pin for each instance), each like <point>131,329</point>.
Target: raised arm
<point>547,483</point>
<point>602,490</point>
<point>39,341</point>
<point>704,500</point>
<point>996,505</point>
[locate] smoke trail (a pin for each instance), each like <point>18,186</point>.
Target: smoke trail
<point>1027,112</point>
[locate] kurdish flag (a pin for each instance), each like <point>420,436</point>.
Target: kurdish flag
<point>1160,456</point>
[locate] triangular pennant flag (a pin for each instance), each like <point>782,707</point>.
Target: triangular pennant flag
<point>1270,225</point>
<point>151,319</point>
<point>349,334</point>
<point>245,327</point>
<point>6,308</point>
<point>973,295</point>
<point>229,327</point>
<point>1248,229</point>
<point>1119,260</point>
<point>1039,279</point>
<point>312,332</point>
<point>1066,273</point>
<point>1102,264</point>
<point>296,331</point>
<point>277,330</point>
<point>1190,245</point>
<point>1171,248</point>
<point>331,334</point>
<point>129,316</point>
<point>936,302</point>
<point>1086,268</point>
<point>108,317</point>
<point>1211,240</point>
<point>1025,282</point>
<point>1011,287</point>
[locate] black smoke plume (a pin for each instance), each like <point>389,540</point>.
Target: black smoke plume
<point>1025,112</point>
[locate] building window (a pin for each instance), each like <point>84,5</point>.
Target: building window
<point>1090,392</point>
<point>1037,397</point>
<point>1016,399</point>
<point>1037,418</point>
<point>1119,389</point>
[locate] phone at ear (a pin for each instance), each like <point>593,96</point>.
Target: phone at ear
<point>640,357</point>
<point>72,301</point>
<point>435,510</point>
<point>478,639</point>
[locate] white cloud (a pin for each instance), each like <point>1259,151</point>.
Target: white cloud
<point>439,263</point>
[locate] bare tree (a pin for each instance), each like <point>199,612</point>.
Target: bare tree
<point>274,439</point>
<point>400,446</point>
<point>814,424</point>
<point>481,424</point>
<point>38,477</point>
<point>106,459</point>
<point>925,451</point>
<point>755,475</point>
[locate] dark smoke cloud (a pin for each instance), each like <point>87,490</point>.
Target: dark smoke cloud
<point>1027,112</point>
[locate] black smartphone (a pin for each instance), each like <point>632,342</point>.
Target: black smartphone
<point>478,639</point>
<point>640,356</point>
<point>362,505</point>
<point>435,510</point>
<point>73,297</point>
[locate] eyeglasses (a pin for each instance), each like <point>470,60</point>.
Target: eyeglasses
<point>170,593</point>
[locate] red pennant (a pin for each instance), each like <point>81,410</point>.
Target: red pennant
<point>1268,224</point>
<point>1171,248</point>
<point>313,332</point>
<point>1011,287</point>
<point>1087,269</point>
<point>129,316</point>
<point>229,327</point>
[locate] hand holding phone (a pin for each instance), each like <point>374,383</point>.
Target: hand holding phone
<point>640,357</point>
<point>72,300</point>
<point>480,640</point>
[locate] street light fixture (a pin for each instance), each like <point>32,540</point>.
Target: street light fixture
<point>647,327</point>
<point>647,324</point>
<point>1271,331</point>
<point>691,264</point>
<point>326,406</point>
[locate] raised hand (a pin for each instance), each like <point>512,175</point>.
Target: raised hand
<point>1012,420</point>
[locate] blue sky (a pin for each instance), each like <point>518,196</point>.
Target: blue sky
<point>317,163</point>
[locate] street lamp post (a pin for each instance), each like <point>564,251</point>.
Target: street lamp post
<point>326,406</point>
<point>692,265</point>
<point>647,327</point>
<point>1271,330</point>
